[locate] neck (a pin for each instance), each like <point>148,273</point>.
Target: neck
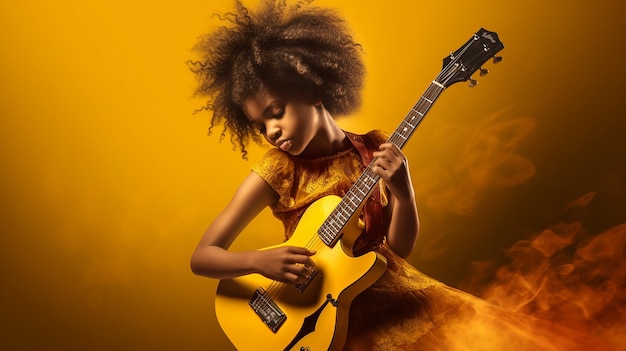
<point>328,140</point>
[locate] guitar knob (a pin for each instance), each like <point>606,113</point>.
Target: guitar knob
<point>497,59</point>
<point>483,72</point>
<point>472,83</point>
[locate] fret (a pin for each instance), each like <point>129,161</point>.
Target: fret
<point>360,184</point>
<point>361,191</point>
<point>330,221</point>
<point>409,125</point>
<point>362,187</point>
<point>325,235</point>
<point>438,84</point>
<point>332,224</point>
<point>418,112</point>
<point>328,235</point>
<point>342,216</point>
<point>354,204</point>
<point>327,231</point>
<point>373,178</point>
<point>400,135</point>
<point>335,230</point>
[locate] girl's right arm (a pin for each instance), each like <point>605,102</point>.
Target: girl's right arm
<point>211,257</point>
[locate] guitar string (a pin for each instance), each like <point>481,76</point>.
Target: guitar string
<point>275,288</point>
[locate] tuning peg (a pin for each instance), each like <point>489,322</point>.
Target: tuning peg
<point>472,83</point>
<point>497,59</point>
<point>483,72</point>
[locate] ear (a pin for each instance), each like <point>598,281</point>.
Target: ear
<point>317,101</point>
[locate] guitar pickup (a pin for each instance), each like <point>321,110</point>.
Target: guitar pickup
<point>267,310</point>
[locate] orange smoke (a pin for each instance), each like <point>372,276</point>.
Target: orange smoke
<point>488,159</point>
<point>563,275</point>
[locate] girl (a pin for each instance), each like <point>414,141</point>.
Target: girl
<point>283,73</point>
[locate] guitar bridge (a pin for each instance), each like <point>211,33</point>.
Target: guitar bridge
<point>267,310</point>
<point>300,287</point>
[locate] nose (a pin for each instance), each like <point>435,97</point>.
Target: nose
<point>273,131</point>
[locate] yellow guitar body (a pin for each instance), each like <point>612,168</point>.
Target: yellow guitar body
<point>316,318</point>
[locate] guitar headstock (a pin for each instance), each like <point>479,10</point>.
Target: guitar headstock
<point>470,57</point>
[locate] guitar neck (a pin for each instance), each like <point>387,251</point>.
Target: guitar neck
<point>412,120</point>
<point>329,232</point>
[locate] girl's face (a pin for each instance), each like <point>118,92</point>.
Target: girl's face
<point>287,121</point>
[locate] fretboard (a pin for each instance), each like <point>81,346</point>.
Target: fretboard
<point>330,231</point>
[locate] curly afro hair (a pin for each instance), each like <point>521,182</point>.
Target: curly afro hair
<point>299,48</point>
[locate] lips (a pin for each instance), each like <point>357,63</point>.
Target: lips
<point>285,145</point>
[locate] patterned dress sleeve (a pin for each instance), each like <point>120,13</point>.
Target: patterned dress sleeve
<point>277,169</point>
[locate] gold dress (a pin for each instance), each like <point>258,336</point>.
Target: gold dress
<point>404,309</point>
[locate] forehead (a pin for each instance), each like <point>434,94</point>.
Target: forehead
<point>260,103</point>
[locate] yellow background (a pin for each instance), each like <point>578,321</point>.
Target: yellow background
<point>108,179</point>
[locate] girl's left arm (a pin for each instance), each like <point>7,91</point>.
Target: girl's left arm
<point>392,166</point>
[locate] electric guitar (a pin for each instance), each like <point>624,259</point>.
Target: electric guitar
<point>258,313</point>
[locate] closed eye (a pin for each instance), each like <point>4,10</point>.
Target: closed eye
<point>279,114</point>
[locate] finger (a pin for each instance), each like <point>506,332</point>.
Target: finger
<point>387,155</point>
<point>382,167</point>
<point>394,152</point>
<point>393,148</point>
<point>390,148</point>
<point>297,273</point>
<point>382,173</point>
<point>301,250</point>
<point>382,153</point>
<point>302,260</point>
<point>291,278</point>
<point>383,163</point>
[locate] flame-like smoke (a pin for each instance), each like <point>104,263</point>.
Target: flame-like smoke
<point>564,275</point>
<point>489,159</point>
